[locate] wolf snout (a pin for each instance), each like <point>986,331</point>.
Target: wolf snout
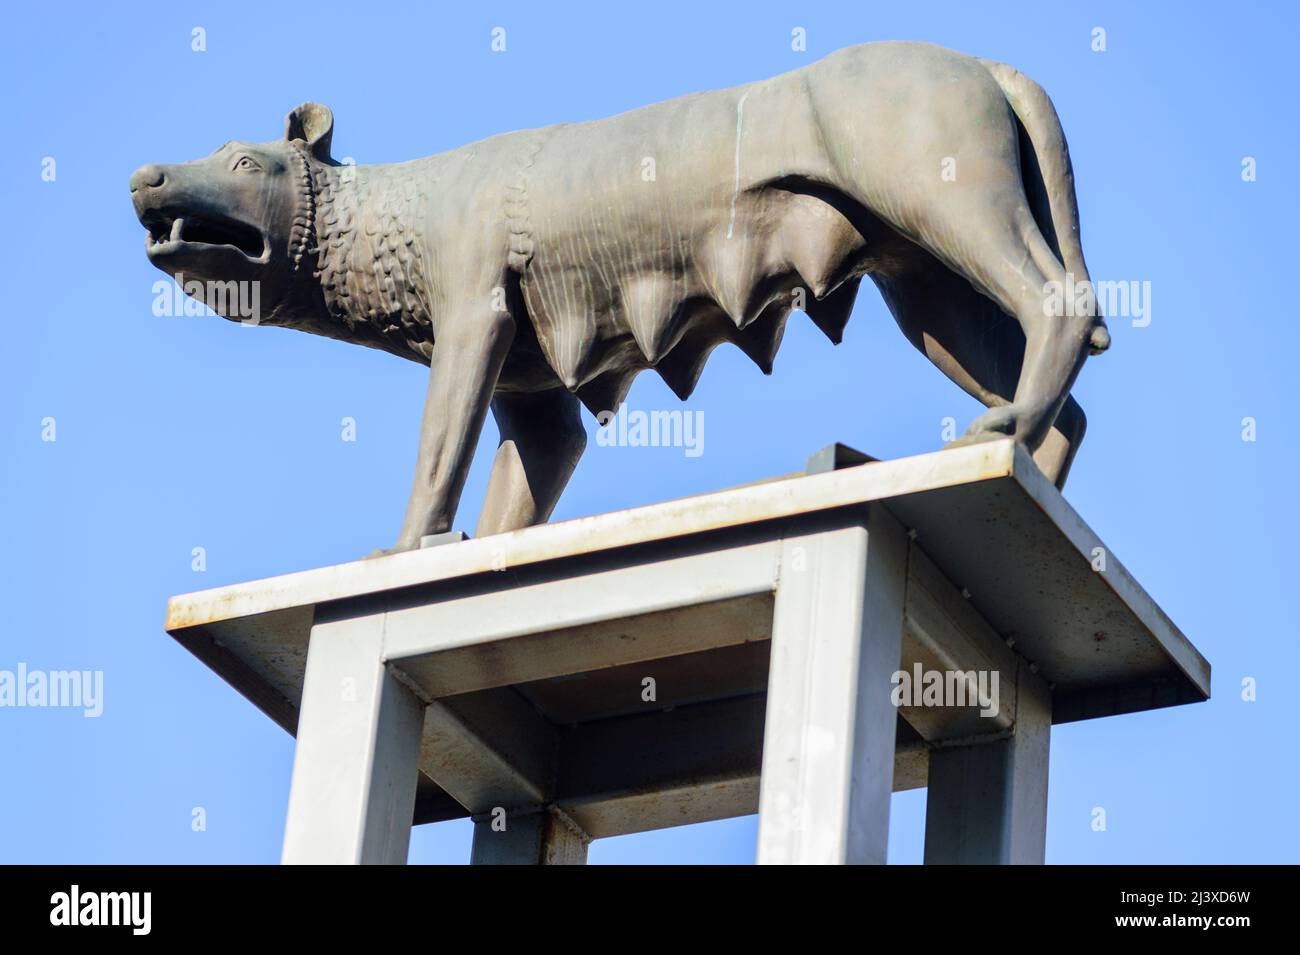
<point>147,177</point>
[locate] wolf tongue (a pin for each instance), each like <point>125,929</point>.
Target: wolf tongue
<point>177,226</point>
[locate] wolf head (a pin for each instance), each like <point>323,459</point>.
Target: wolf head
<point>246,213</point>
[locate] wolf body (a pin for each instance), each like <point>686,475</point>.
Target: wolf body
<point>541,270</point>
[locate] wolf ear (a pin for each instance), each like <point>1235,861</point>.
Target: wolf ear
<point>314,125</point>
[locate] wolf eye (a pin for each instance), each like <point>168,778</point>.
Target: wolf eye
<point>247,164</point>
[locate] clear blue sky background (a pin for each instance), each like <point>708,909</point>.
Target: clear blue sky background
<point>183,432</point>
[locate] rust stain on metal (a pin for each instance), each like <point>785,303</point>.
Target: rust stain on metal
<point>717,510</point>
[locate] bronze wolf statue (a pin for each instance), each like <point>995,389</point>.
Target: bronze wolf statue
<point>538,270</point>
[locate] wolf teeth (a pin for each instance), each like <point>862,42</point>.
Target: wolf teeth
<point>177,226</point>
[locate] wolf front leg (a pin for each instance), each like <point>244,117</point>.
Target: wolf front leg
<point>467,357</point>
<point>542,439</point>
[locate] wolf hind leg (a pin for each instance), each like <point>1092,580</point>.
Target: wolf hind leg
<point>988,237</point>
<point>542,438</point>
<point>977,345</point>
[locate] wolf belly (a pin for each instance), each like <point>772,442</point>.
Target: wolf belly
<point>668,304</point>
<point>664,238</point>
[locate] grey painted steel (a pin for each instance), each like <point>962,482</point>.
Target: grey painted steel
<point>527,651</point>
<point>453,645</point>
<point>688,764</point>
<point>446,537</point>
<point>835,457</point>
<point>976,510</point>
<point>1090,632</point>
<point>631,773</point>
<point>489,751</point>
<point>987,803</point>
<point>354,769</point>
<point>540,836</point>
<point>828,749</point>
<point>943,632</point>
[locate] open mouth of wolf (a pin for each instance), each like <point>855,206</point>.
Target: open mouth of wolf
<point>169,232</point>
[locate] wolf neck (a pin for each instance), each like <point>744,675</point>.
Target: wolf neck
<point>370,256</point>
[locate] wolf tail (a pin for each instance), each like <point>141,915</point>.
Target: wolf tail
<point>1048,175</point>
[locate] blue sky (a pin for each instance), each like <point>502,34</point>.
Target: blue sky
<point>178,432</point>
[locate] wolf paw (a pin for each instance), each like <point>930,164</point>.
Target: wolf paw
<point>994,425</point>
<point>979,437</point>
<point>398,548</point>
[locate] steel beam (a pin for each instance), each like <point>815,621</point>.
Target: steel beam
<point>354,769</point>
<point>537,836</point>
<point>828,750</point>
<point>943,633</point>
<point>509,668</point>
<point>987,802</point>
<point>489,750</point>
<point>690,764</point>
<point>552,625</point>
